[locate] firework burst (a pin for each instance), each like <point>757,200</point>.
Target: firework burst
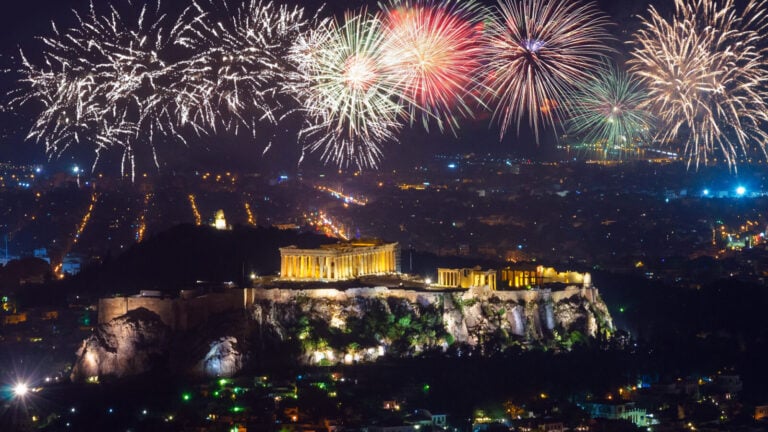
<point>348,98</point>
<point>608,110</point>
<point>537,52</point>
<point>239,63</point>
<point>103,83</point>
<point>705,69</point>
<point>433,50</point>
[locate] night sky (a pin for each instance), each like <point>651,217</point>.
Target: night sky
<point>22,21</point>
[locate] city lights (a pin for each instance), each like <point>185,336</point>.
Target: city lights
<point>585,275</point>
<point>195,211</point>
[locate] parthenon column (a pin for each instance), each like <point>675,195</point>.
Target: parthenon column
<point>314,266</point>
<point>371,263</point>
<point>349,266</point>
<point>374,260</point>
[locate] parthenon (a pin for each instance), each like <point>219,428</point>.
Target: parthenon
<point>341,261</point>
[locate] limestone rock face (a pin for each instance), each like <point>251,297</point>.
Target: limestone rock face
<point>362,324</point>
<point>128,345</point>
<point>328,326</point>
<point>224,358</point>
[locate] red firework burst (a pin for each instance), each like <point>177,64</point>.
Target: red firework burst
<point>433,50</point>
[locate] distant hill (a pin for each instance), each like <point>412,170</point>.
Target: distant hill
<point>184,254</point>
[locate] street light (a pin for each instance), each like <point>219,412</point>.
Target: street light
<point>20,390</point>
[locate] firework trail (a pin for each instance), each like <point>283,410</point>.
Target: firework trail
<point>608,110</point>
<point>433,49</point>
<point>239,63</point>
<point>705,70</point>
<point>103,83</point>
<point>348,99</point>
<point>537,52</point>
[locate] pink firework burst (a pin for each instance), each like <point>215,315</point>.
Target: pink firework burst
<point>433,51</point>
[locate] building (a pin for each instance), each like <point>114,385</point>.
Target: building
<point>524,278</point>
<point>465,278</point>
<point>341,261</point>
<point>541,425</point>
<point>219,221</point>
<point>509,278</point>
<point>761,412</point>
<point>72,264</point>
<point>616,410</point>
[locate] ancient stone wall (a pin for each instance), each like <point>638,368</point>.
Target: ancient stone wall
<point>177,313</point>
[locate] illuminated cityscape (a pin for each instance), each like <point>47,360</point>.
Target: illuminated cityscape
<point>395,216</point>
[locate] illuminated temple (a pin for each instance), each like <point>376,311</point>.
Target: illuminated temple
<point>342,261</point>
<point>508,278</point>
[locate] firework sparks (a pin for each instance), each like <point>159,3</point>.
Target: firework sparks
<point>102,83</point>
<point>608,110</point>
<point>434,51</point>
<point>537,52</point>
<point>239,64</point>
<point>348,99</point>
<point>705,69</point>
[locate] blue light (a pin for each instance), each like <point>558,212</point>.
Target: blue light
<point>76,169</point>
<point>706,192</point>
<point>38,170</point>
<point>452,166</point>
<point>741,190</point>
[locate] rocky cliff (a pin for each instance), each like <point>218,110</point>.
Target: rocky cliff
<point>132,344</point>
<point>361,324</point>
<point>328,326</point>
